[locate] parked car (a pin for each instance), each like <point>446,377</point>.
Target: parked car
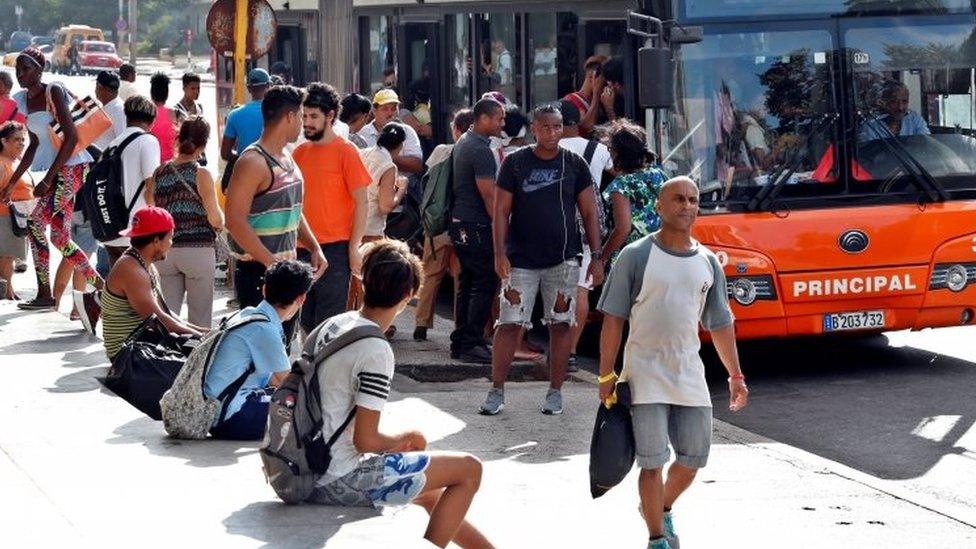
<point>39,41</point>
<point>19,40</point>
<point>97,56</point>
<point>72,34</point>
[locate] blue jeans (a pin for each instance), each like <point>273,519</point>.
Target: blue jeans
<point>248,423</point>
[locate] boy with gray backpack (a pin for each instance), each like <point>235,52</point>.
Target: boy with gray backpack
<point>223,388</point>
<point>323,444</point>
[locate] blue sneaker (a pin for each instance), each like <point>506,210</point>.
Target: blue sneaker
<point>669,532</point>
<point>659,543</point>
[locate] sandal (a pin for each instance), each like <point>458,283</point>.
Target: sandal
<point>74,315</point>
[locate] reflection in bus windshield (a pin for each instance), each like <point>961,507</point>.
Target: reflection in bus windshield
<point>760,95</point>
<point>762,106</point>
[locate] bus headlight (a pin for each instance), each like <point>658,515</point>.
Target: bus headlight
<point>956,278</point>
<point>953,276</point>
<point>745,290</point>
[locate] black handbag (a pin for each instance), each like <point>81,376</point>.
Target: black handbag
<point>404,225</point>
<point>612,449</point>
<point>19,223</point>
<point>146,366</point>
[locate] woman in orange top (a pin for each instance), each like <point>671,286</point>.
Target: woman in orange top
<point>13,141</point>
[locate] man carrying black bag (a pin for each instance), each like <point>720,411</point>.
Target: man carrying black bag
<point>145,342</point>
<point>665,284</point>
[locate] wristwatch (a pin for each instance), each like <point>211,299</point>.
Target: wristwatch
<point>596,255</point>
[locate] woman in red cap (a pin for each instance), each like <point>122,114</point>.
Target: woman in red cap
<point>132,289</point>
<point>64,173</point>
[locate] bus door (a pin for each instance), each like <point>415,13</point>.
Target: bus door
<point>609,38</point>
<point>290,48</point>
<point>418,75</point>
<point>603,37</point>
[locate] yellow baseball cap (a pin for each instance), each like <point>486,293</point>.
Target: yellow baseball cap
<point>385,96</point>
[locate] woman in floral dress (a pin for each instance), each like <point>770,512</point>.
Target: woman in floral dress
<point>632,195</point>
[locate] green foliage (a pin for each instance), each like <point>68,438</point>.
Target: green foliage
<point>160,21</point>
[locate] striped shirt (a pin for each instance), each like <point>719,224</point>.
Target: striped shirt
<point>175,190</point>
<point>276,212</point>
<point>119,319</point>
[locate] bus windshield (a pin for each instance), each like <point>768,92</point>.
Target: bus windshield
<point>868,107</point>
<point>913,95</point>
<point>755,107</point>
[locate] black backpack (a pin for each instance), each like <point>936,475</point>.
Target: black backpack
<point>103,194</point>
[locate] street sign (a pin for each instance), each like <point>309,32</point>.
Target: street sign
<point>18,11</point>
<point>261,28</point>
<point>121,25</point>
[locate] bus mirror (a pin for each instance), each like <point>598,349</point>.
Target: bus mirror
<point>655,69</point>
<point>684,35</point>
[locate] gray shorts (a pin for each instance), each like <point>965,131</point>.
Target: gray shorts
<point>560,279</point>
<point>688,428</point>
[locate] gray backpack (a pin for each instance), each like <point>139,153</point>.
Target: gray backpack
<point>187,412</point>
<point>294,452</point>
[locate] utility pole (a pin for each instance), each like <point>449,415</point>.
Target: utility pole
<point>240,48</point>
<point>133,20</point>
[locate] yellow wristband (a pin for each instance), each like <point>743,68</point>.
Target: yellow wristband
<point>609,377</point>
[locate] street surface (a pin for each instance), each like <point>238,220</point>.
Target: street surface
<point>859,442</point>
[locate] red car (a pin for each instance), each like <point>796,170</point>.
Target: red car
<point>94,56</point>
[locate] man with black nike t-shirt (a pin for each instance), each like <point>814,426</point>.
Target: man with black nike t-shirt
<point>537,248</point>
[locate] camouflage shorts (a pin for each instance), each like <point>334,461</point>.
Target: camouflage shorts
<point>381,480</point>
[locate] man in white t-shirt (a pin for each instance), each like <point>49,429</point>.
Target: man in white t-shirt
<point>666,284</point>
<point>386,106</point>
<point>369,467</point>
<point>107,93</point>
<point>597,157</point>
<point>140,158</point>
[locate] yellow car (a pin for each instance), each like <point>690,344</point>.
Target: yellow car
<point>10,59</point>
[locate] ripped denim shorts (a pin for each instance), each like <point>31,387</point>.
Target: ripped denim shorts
<point>558,287</point>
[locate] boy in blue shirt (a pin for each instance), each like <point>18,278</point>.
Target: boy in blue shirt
<point>259,343</point>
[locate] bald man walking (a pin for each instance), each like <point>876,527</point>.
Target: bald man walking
<point>665,284</point>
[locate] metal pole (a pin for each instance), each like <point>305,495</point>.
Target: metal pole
<point>133,20</point>
<point>240,48</point>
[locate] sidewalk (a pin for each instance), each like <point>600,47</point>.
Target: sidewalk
<point>79,466</point>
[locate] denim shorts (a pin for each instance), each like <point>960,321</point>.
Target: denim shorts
<point>81,235</point>
<point>688,428</point>
<point>378,481</point>
<point>523,285</point>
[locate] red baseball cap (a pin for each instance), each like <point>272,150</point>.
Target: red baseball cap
<point>149,220</point>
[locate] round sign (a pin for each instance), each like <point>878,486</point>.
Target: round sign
<point>121,25</point>
<point>261,28</point>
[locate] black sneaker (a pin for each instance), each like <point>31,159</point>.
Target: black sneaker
<point>20,266</point>
<point>476,355</point>
<point>420,333</point>
<point>37,304</point>
<point>90,308</point>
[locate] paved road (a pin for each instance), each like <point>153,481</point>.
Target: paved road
<point>899,410</point>
<point>85,85</point>
<point>79,467</point>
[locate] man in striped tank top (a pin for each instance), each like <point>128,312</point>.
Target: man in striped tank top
<point>264,201</point>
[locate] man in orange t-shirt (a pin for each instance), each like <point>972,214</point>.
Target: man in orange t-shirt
<point>335,203</point>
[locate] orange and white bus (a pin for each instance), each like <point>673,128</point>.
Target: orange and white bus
<point>834,143</point>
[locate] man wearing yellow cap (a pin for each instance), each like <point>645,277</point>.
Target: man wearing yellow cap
<point>386,104</point>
